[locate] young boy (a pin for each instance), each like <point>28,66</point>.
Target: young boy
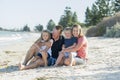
<point>69,42</point>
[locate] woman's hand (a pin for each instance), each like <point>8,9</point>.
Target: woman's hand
<point>65,50</point>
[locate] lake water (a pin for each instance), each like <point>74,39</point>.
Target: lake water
<point>7,37</point>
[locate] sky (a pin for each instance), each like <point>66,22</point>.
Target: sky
<point>17,13</point>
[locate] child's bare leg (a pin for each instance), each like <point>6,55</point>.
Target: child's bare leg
<point>44,57</point>
<point>71,59</point>
<point>34,59</point>
<point>35,64</point>
<point>61,55</point>
<point>67,61</point>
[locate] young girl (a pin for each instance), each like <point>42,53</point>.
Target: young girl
<point>44,50</point>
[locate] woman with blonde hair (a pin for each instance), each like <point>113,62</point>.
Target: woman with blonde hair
<point>80,48</point>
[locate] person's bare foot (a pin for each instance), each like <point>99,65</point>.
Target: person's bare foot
<point>70,65</point>
<point>45,65</point>
<point>21,66</point>
<point>55,65</point>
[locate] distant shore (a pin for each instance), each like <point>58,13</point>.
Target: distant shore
<point>10,37</point>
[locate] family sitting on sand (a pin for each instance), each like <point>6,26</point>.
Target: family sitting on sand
<point>56,50</point>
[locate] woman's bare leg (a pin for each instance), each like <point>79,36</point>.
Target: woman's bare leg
<point>31,52</point>
<point>35,64</point>
<point>34,59</point>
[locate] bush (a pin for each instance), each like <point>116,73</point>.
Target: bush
<point>26,28</point>
<point>1,28</point>
<point>91,32</point>
<point>96,31</point>
<point>113,31</point>
<point>100,29</point>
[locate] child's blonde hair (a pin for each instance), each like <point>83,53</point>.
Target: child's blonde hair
<point>46,31</point>
<point>68,29</point>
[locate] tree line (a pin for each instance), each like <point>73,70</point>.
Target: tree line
<point>93,15</point>
<point>66,20</point>
<point>101,9</point>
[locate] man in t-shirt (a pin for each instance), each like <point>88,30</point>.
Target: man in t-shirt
<point>58,41</point>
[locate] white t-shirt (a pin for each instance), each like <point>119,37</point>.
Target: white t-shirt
<point>49,50</point>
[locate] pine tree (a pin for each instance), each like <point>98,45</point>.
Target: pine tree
<point>69,18</point>
<point>74,18</point>
<point>95,15</point>
<point>99,10</point>
<point>50,25</point>
<point>26,28</point>
<point>88,16</point>
<point>39,27</point>
<point>116,5</point>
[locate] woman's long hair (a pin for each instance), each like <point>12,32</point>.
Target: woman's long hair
<point>80,29</point>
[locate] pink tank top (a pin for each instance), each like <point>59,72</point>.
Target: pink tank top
<point>83,49</point>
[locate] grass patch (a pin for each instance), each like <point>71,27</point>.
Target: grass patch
<point>114,31</point>
<point>50,78</point>
<point>8,52</point>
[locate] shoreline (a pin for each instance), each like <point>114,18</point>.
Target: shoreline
<point>9,38</point>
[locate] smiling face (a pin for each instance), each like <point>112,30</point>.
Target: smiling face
<point>57,30</point>
<point>45,36</point>
<point>75,31</point>
<point>56,33</point>
<point>68,34</point>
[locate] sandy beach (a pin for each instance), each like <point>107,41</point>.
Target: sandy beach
<point>103,63</point>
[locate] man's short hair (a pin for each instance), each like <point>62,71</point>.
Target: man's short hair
<point>59,27</point>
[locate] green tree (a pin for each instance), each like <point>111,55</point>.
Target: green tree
<point>39,27</point>
<point>116,5</point>
<point>99,10</point>
<point>50,25</point>
<point>74,18</point>
<point>68,18</point>
<point>105,7</point>
<point>88,16</point>
<point>26,28</point>
<point>95,18</point>
<point>63,21</point>
<point>1,28</point>
<point>68,15</point>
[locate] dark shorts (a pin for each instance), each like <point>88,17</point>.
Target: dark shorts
<point>67,54</point>
<point>51,61</point>
<point>40,55</point>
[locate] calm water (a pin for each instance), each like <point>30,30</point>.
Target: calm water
<point>7,37</point>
